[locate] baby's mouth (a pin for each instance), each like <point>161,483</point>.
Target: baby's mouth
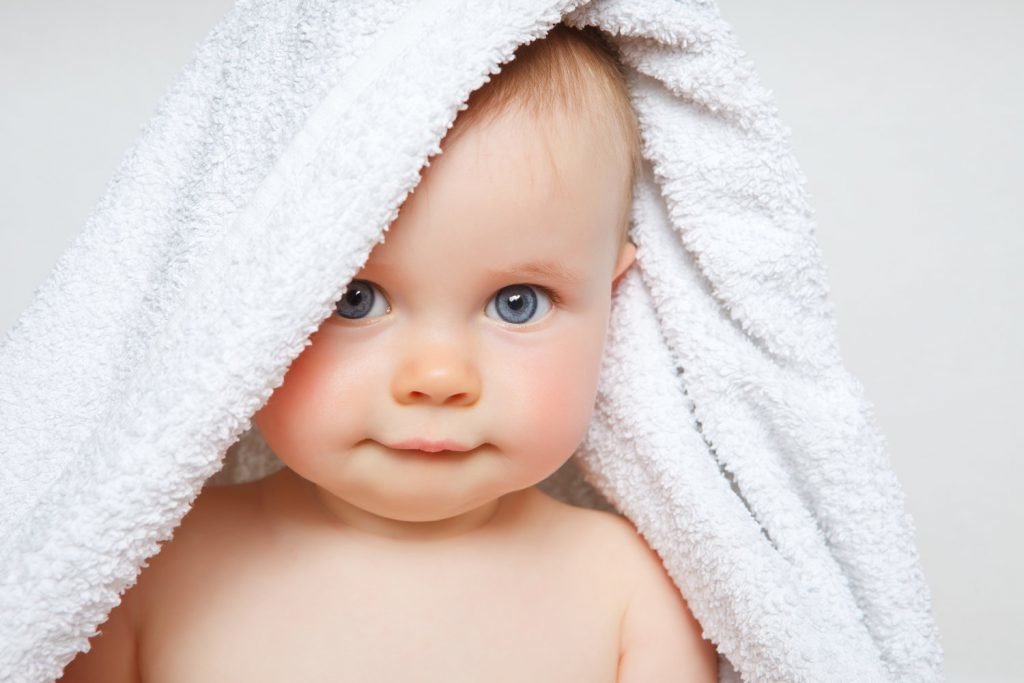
<point>430,446</point>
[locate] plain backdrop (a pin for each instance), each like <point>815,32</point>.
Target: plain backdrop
<point>905,117</point>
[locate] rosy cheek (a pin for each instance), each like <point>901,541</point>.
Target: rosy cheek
<point>301,418</point>
<point>561,386</point>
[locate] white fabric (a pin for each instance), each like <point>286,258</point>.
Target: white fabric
<point>726,429</point>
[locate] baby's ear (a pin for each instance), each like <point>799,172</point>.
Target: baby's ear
<point>627,255</point>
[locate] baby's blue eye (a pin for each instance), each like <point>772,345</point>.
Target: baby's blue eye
<point>518,303</point>
<point>359,301</point>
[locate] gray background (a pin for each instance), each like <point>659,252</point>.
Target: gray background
<point>906,120</point>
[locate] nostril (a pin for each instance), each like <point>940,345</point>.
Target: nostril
<point>456,399</point>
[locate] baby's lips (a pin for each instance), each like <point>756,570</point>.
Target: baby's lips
<point>430,446</point>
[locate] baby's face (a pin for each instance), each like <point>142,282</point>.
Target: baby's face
<point>480,321</point>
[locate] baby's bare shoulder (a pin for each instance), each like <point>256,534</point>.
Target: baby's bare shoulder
<point>659,637</point>
<point>219,517</point>
<point>606,540</point>
<point>209,538</point>
<point>115,654</point>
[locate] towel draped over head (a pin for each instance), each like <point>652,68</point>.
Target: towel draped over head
<point>726,427</point>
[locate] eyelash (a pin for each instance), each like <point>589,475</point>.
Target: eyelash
<point>550,293</point>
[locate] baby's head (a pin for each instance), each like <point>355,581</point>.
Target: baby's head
<point>477,326</point>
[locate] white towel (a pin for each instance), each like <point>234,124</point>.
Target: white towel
<point>727,429</point>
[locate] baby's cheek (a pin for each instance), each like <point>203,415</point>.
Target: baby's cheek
<point>561,391</point>
<point>310,413</point>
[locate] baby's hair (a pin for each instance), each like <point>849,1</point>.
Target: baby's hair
<point>577,70</point>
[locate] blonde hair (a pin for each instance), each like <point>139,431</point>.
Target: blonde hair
<point>575,70</point>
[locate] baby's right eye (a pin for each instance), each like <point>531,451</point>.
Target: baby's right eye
<point>360,300</point>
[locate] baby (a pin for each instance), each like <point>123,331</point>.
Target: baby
<point>405,540</point>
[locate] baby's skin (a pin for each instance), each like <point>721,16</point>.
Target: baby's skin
<point>405,540</point>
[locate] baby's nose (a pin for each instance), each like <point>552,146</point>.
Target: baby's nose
<point>437,374</point>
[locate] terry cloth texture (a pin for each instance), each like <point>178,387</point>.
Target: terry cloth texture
<point>727,428</point>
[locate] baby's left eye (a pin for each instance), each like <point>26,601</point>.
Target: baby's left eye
<point>517,304</point>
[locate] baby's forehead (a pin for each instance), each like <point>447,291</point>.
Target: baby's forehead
<point>542,150</point>
<point>507,192</point>
<point>540,157</point>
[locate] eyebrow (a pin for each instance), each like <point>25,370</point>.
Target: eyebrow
<point>546,269</point>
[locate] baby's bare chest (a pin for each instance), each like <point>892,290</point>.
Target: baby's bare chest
<point>325,617</point>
